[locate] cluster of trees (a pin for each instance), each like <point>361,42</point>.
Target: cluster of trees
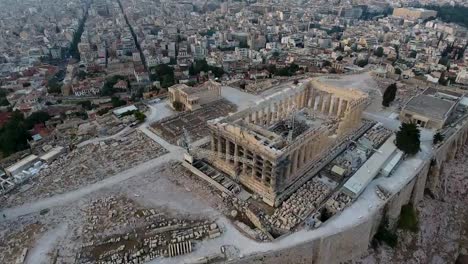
<point>86,104</point>
<point>164,74</point>
<point>54,86</point>
<point>14,134</point>
<point>362,63</point>
<point>108,88</point>
<point>3,100</point>
<point>289,70</point>
<point>384,235</point>
<point>139,116</point>
<point>389,95</point>
<point>438,137</point>
<point>201,65</point>
<point>451,14</point>
<point>77,38</point>
<point>117,102</point>
<point>379,52</point>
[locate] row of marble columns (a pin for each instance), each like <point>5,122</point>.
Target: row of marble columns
<point>321,101</point>
<point>277,110</point>
<point>304,154</point>
<point>327,103</point>
<point>238,155</point>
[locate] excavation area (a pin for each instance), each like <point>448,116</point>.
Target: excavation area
<point>172,128</point>
<point>81,166</point>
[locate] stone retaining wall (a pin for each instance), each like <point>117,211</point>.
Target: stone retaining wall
<point>353,242</point>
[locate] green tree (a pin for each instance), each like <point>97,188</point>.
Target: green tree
<point>163,73</point>
<point>3,100</point>
<point>81,75</point>
<point>362,63</point>
<point>86,104</point>
<point>14,135</point>
<point>139,116</point>
<point>39,117</point>
<point>108,87</point>
<point>408,218</point>
<point>117,102</point>
<point>379,52</point>
<point>448,13</point>
<point>383,234</point>
<point>289,70</point>
<point>201,65</point>
<point>442,79</point>
<point>326,63</point>
<point>389,95</point>
<point>438,137</point>
<point>54,86</point>
<point>408,138</point>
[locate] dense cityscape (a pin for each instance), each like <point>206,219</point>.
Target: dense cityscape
<point>233,131</point>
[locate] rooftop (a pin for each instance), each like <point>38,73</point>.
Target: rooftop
<point>18,165</point>
<point>359,181</point>
<point>430,106</point>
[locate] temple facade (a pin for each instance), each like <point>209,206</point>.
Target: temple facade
<point>286,137</point>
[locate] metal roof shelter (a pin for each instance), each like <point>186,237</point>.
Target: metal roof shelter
<point>371,168</point>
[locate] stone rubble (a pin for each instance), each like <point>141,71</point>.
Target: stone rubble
<point>119,231</point>
<point>338,203</point>
<point>89,164</point>
<point>301,203</point>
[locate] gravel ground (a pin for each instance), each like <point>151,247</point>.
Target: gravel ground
<point>85,165</point>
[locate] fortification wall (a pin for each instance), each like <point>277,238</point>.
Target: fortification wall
<point>353,241</point>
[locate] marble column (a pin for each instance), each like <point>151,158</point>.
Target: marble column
<point>332,105</point>
<point>254,165</point>
<point>236,155</point>
<point>340,107</point>
<point>244,164</point>
<point>326,103</point>
<point>213,147</point>
<point>228,149</point>
<point>295,161</point>
<point>220,148</point>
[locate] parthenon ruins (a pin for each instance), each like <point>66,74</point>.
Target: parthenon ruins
<point>286,136</point>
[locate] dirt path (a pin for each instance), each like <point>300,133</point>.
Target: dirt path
<point>42,252</point>
<point>12,213</point>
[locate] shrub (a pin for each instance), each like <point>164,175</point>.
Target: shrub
<point>408,218</point>
<point>139,116</point>
<point>438,137</point>
<point>385,235</point>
